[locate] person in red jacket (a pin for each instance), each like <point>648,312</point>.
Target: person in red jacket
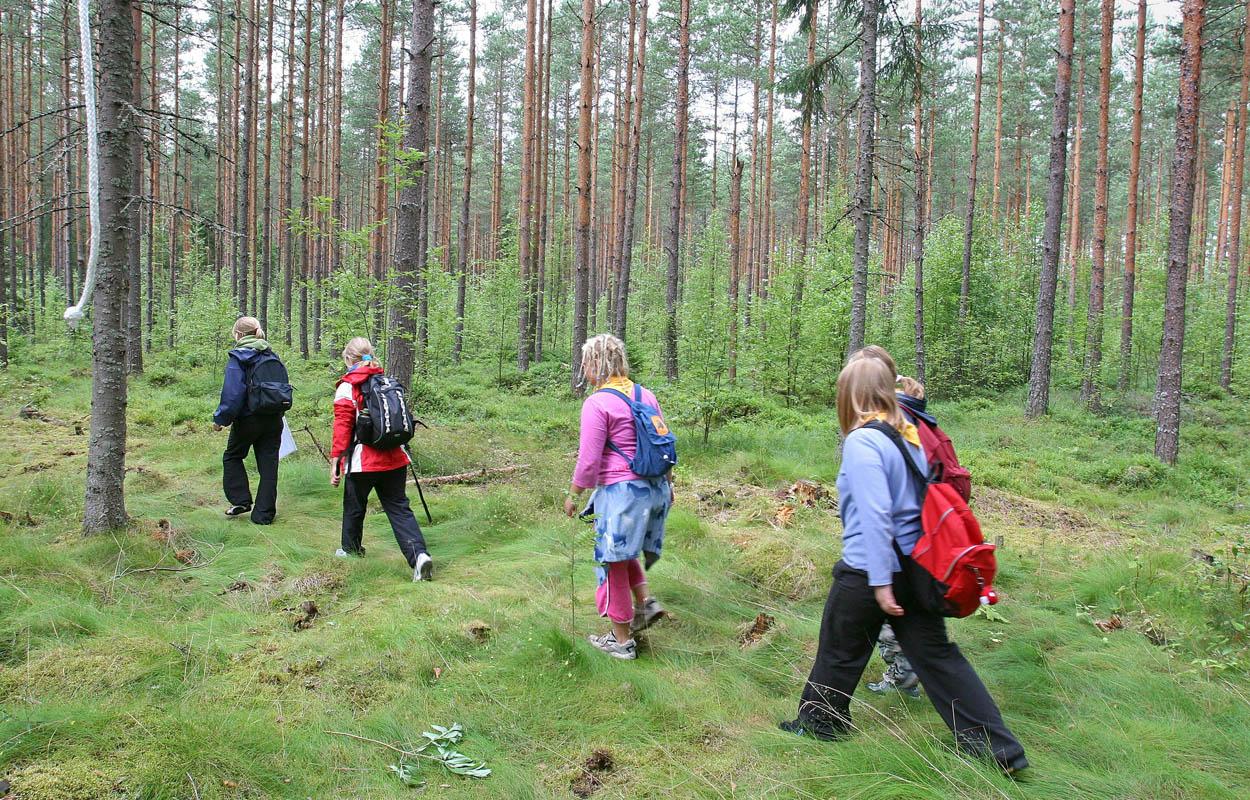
<point>369,469</point>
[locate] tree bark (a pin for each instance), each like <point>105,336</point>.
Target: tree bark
<point>105,505</point>
<point>1172,346</point>
<point>410,257</point>
<point>1131,214</point>
<point>673,243</point>
<point>1091,384</point>
<point>919,229</point>
<point>861,210</point>
<point>998,125</point>
<point>631,179</point>
<point>525,325</point>
<point>1044,327</point>
<point>735,262</point>
<point>965,281</point>
<point>581,233</point>
<point>463,260</point>
<point>1234,237</point>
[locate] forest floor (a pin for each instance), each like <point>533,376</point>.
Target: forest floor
<point>1118,653</point>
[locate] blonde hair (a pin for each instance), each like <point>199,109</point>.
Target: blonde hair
<point>604,357</point>
<point>878,352</point>
<point>247,326</point>
<point>866,389</point>
<point>911,387</point>
<point>357,349</point>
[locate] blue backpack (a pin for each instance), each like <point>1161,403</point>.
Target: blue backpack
<point>656,451</point>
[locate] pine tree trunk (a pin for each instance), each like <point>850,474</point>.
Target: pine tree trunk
<point>631,179</point>
<point>1226,182</point>
<point>763,266</point>
<point>1091,384</point>
<point>1044,329</point>
<point>581,233</point>
<point>965,281</point>
<point>381,191</point>
<point>463,265</point>
<point>861,210</point>
<point>921,177</point>
<point>673,243</point>
<point>525,325</point>
<point>1234,237</point>
<point>1131,214</point>
<point>105,505</point>
<point>803,204</point>
<point>1074,220</point>
<point>266,242</point>
<point>1181,200</point>
<point>410,255</point>
<point>133,309</point>
<point>735,262</point>
<point>998,126</point>
<point>305,181</point>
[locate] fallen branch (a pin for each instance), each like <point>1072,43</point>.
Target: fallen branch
<point>473,475</point>
<point>158,568</point>
<point>388,746</point>
<point>313,436</point>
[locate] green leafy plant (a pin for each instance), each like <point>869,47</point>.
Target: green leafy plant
<point>442,740</point>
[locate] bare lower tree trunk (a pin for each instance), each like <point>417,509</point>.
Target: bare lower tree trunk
<point>525,325</point>
<point>631,178</point>
<point>581,233</point>
<point>1234,236</point>
<point>1044,328</point>
<point>861,206</point>
<point>1171,349</point>
<point>463,267</point>
<point>133,310</point>
<point>1091,384</point>
<point>673,243</point>
<point>105,505</point>
<point>1134,172</point>
<point>735,261</point>
<point>919,230</point>
<point>413,197</point>
<point>965,280</point>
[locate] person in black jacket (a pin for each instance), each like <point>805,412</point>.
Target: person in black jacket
<point>250,428</point>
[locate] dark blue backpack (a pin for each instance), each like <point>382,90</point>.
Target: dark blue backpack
<point>656,451</point>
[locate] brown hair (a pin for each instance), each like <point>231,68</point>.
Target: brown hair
<point>865,389</point>
<point>247,326</point>
<point>878,352</point>
<point>911,387</point>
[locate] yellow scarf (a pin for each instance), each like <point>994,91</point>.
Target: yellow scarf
<point>623,385</point>
<point>909,431</point>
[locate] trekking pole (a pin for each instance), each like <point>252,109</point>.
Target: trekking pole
<point>420,493</point>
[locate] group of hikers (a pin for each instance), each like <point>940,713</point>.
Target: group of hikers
<point>898,484</point>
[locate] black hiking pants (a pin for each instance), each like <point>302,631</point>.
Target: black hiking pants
<point>848,632</point>
<point>390,487</point>
<point>263,435</point>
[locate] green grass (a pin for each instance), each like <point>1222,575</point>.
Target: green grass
<point>165,684</point>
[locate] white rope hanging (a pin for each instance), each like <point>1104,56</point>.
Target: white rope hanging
<point>74,313</point>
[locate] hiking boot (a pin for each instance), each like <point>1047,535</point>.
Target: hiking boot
<point>647,615</point>
<point>885,686</point>
<point>424,569</point>
<point>627,651</point>
<point>898,676</point>
<point>237,511</point>
<point>800,728</point>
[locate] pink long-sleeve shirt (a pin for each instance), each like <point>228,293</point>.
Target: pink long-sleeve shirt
<point>607,417</point>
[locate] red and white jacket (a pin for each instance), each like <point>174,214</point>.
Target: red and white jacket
<point>348,400</point>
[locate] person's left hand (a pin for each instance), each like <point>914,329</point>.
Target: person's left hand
<point>570,506</point>
<point>217,427</point>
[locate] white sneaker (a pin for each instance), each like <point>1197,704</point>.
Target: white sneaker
<point>424,570</point>
<point>626,651</point>
<point>340,553</point>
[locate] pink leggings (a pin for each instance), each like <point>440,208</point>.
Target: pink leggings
<point>615,597</point>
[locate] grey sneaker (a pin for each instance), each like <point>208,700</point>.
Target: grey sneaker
<point>627,651</point>
<point>646,615</point>
<point>424,570</point>
<point>897,677</point>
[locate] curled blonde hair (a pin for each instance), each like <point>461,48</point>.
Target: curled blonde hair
<point>604,357</point>
<point>911,387</point>
<point>247,326</point>
<point>866,389</point>
<point>878,352</point>
<point>357,349</point>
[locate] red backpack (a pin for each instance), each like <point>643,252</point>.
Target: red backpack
<point>952,568</point>
<point>943,463</point>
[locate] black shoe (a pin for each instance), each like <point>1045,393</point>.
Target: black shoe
<point>238,511</point>
<point>800,728</point>
<point>1013,767</point>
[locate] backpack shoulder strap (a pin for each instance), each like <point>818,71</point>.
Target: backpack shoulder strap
<point>922,482</point>
<point>612,445</point>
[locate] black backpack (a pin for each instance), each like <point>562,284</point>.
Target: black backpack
<point>384,421</point>
<point>268,389</point>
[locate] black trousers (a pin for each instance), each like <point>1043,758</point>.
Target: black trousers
<point>394,498</point>
<point>263,435</point>
<point>848,632</point>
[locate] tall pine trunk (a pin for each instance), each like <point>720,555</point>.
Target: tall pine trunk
<point>1091,384</point>
<point>861,209</point>
<point>1131,215</point>
<point>105,505</point>
<point>463,261</point>
<point>1172,346</point>
<point>1044,327</point>
<point>1234,236</point>
<point>919,229</point>
<point>965,280</point>
<point>581,231</point>
<point>672,244</point>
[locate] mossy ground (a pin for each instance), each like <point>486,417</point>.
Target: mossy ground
<point>162,684</point>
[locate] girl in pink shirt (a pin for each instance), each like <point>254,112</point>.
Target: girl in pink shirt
<point>629,510</point>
